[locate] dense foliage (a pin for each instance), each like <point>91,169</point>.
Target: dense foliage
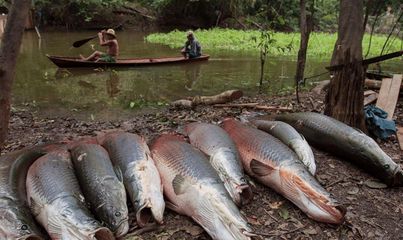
<point>283,15</point>
<point>320,44</point>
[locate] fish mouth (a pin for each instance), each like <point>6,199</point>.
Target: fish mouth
<point>103,233</point>
<point>314,202</point>
<point>122,229</point>
<point>245,193</point>
<point>398,178</point>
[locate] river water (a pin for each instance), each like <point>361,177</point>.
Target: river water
<point>110,94</point>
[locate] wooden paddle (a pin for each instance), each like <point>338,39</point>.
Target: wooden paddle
<point>81,42</point>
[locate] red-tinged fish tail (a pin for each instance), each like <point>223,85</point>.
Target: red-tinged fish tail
<point>229,124</point>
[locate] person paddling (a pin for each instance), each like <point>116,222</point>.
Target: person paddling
<point>192,48</point>
<point>107,39</point>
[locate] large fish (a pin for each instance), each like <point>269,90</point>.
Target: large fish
<point>336,137</point>
<point>102,189</point>
<point>56,201</point>
<point>16,220</point>
<point>275,165</point>
<point>290,137</point>
<point>224,157</point>
<point>131,155</point>
<point>193,188</point>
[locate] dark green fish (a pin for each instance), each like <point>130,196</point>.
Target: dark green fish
<point>101,187</point>
<point>57,202</point>
<point>336,137</point>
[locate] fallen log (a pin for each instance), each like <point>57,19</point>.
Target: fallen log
<point>322,86</point>
<point>224,97</point>
<point>376,84</point>
<point>255,106</point>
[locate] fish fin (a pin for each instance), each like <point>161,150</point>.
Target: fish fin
<point>54,229</point>
<point>259,168</point>
<point>119,173</point>
<point>172,206</point>
<point>179,184</point>
<point>35,207</point>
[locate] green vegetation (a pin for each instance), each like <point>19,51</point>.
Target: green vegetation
<point>320,44</point>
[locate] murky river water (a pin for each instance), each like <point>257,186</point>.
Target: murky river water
<point>107,94</point>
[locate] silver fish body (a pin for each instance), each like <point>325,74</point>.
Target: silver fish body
<point>224,157</point>
<point>193,188</point>
<point>290,137</point>
<point>271,162</point>
<point>130,154</point>
<point>334,136</point>
<point>56,201</point>
<point>16,220</point>
<point>102,189</point>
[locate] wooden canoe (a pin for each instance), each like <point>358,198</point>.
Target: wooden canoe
<point>76,62</point>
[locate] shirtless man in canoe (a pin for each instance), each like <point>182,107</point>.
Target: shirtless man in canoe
<point>107,39</point>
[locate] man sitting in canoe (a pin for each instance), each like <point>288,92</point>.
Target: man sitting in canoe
<point>108,39</point>
<point>192,47</point>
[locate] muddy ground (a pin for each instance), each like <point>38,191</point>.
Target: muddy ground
<point>373,212</point>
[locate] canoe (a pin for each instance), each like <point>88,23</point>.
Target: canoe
<point>76,62</point>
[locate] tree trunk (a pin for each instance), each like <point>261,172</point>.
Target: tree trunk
<point>305,27</point>
<point>344,100</point>
<point>9,50</point>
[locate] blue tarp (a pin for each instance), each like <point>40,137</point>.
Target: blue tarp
<point>377,124</point>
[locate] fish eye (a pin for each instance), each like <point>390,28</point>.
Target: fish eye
<point>118,214</point>
<point>24,227</point>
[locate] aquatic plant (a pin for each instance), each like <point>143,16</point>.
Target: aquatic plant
<point>320,44</point>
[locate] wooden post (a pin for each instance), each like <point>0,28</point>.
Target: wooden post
<point>3,21</point>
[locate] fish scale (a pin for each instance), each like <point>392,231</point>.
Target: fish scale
<point>353,145</point>
<point>183,159</point>
<point>275,165</point>
<point>130,154</point>
<point>193,188</point>
<point>20,223</point>
<point>101,187</point>
<point>56,200</point>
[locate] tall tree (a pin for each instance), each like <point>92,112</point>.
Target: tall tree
<point>9,50</point>
<point>344,100</point>
<point>306,28</point>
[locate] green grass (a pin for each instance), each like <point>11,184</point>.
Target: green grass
<point>320,44</point>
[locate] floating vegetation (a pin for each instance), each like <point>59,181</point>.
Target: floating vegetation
<point>320,44</point>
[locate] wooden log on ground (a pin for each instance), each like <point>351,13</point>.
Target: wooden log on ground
<point>255,106</point>
<point>370,98</point>
<point>224,97</point>
<point>375,84</point>
<point>322,86</point>
<point>389,94</point>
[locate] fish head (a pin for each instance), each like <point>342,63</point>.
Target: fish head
<point>367,148</point>
<point>18,224</point>
<point>305,192</point>
<point>115,210</point>
<point>227,164</point>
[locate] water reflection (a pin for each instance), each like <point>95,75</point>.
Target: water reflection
<point>87,91</point>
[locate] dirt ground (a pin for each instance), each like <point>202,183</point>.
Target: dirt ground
<point>374,212</point>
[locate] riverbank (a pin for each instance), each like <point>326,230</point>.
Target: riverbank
<point>372,213</point>
<point>321,44</point>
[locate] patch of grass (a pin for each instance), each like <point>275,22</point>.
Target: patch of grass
<point>320,44</point>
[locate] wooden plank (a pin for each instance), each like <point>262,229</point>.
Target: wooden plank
<point>400,137</point>
<point>389,93</point>
<point>370,98</point>
<point>368,92</point>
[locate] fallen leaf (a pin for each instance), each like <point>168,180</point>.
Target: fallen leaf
<point>375,184</point>
<point>276,205</point>
<point>253,220</point>
<point>284,213</point>
<point>194,230</point>
<point>353,191</point>
<point>310,231</point>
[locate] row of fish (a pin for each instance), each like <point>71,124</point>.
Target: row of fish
<point>69,186</point>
